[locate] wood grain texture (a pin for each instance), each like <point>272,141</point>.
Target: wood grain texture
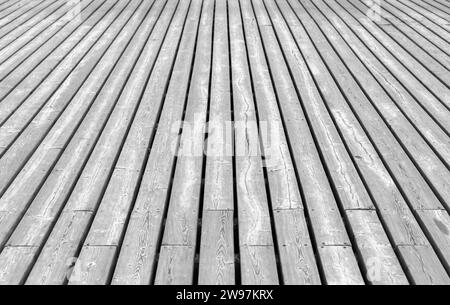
<point>255,234</point>
<point>224,142</point>
<point>217,258</point>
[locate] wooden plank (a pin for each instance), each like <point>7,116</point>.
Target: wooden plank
<point>397,24</point>
<point>414,229</point>
<point>258,263</point>
<point>25,81</point>
<point>340,266</point>
<point>420,9</point>
<point>423,266</point>
<point>25,59</point>
<point>60,181</point>
<point>324,80</point>
<point>56,261</point>
<point>93,262</point>
<point>182,219</point>
<point>291,49</point>
<point>157,172</point>
<point>433,10</point>
<point>217,258</point>
<point>9,5</point>
<point>430,104</point>
<point>34,16</point>
<point>440,90</point>
<point>109,224</point>
<point>348,84</point>
<point>437,223</point>
<point>326,158</point>
<point>33,135</point>
<point>424,19</point>
<point>153,198</point>
<point>282,181</point>
<point>37,69</point>
<point>398,218</point>
<point>217,252</point>
<point>406,50</point>
<point>8,8</point>
<point>89,189</point>
<point>441,6</point>
<point>424,26</point>
<point>382,266</point>
<point>25,20</point>
<point>22,10</point>
<point>25,43</point>
<point>175,265</point>
<point>37,222</point>
<point>41,161</point>
<point>12,260</point>
<point>297,255</point>
<point>417,148</point>
<point>343,173</point>
<point>13,159</point>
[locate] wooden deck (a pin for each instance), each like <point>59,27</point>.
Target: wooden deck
<point>325,160</point>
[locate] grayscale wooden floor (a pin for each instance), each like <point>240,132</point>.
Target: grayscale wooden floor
<point>97,103</point>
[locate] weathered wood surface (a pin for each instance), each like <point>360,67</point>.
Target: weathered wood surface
<point>224,142</point>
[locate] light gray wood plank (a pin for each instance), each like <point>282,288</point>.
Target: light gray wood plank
<point>183,210</point>
<point>340,266</point>
<point>57,258</point>
<point>217,257</point>
<point>29,178</point>
<point>408,30</point>
<point>40,162</point>
<point>255,233</point>
<point>282,181</point>
<point>424,267</point>
<point>420,8</point>
<point>259,263</point>
<point>175,265</point>
<point>413,231</point>
<point>93,266</point>
<point>145,223</point>
<point>440,5</point>
<point>375,250</point>
<point>297,256</point>
<point>419,24</point>
<point>388,50</point>
<point>53,192</point>
<point>432,10</point>
<point>41,215</point>
<point>12,260</point>
<point>401,221</point>
<point>65,57</point>
<point>19,25</point>
<point>28,41</point>
<point>434,170</point>
<point>218,194</point>
<point>437,223</point>
<point>88,190</point>
<point>401,47</point>
<point>425,20</point>
<point>9,6</point>
<point>217,252</point>
<point>344,175</point>
<point>21,15</point>
<point>405,90</point>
